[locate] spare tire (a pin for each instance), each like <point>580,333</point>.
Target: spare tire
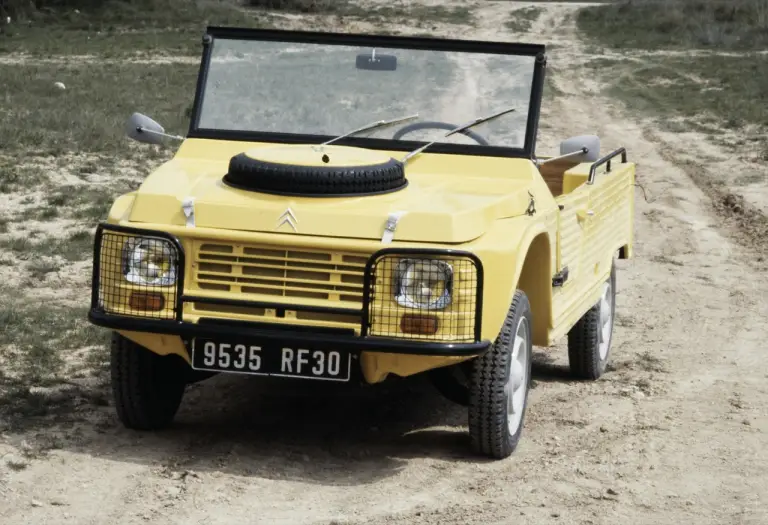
<point>327,171</point>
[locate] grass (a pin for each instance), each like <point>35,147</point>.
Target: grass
<point>412,14</point>
<point>89,203</point>
<point>36,337</point>
<point>118,27</point>
<point>725,92</point>
<point>15,177</point>
<point>710,91</point>
<point>77,246</point>
<point>521,20</point>
<point>90,115</point>
<point>653,24</point>
<point>174,27</point>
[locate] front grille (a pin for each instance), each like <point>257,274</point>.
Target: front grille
<point>253,272</point>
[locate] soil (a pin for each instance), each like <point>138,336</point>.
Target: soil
<point>674,433</point>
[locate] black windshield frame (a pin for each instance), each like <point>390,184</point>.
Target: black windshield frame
<point>379,41</point>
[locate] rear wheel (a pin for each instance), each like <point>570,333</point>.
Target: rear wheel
<point>147,388</point>
<point>589,341</point>
<point>499,385</point>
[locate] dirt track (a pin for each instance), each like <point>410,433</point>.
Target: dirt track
<point>675,433</point>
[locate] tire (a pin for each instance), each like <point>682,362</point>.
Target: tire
<point>320,181</point>
<point>493,431</point>
<point>147,388</point>
<point>589,341</point>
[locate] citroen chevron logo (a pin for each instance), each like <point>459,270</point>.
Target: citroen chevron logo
<point>290,218</point>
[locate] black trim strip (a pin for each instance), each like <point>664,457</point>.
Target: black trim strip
<point>606,160</point>
<point>202,76</point>
<point>534,106</point>
<point>388,41</point>
<point>275,306</point>
<point>360,142</point>
<point>95,276</point>
<point>367,285</point>
<point>378,41</point>
<point>317,340</point>
<point>275,327</point>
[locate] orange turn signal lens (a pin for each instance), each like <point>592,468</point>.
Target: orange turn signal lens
<point>151,302</point>
<point>418,324</point>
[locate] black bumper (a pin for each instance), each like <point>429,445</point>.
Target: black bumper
<point>290,335</point>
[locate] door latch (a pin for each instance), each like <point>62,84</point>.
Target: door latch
<point>560,278</point>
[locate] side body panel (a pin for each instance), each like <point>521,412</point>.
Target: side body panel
<point>570,245</point>
<point>599,217</point>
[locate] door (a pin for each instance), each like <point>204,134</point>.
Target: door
<point>571,235</point>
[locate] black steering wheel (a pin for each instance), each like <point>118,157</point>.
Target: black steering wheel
<point>438,125</point>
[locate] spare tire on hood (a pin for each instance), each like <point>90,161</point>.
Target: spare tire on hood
<point>315,171</point>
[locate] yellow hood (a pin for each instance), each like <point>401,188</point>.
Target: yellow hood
<point>449,198</point>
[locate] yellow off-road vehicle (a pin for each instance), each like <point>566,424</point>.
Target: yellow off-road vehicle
<point>295,234</point>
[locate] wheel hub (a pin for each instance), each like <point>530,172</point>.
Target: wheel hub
<point>606,320</point>
<point>517,382</point>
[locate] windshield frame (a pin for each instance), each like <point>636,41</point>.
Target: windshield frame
<point>378,41</point>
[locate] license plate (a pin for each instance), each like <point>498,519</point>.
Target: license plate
<point>254,358</point>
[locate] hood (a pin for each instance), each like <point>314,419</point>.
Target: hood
<point>449,199</point>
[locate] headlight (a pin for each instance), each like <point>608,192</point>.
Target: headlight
<point>423,283</point>
<point>149,261</point>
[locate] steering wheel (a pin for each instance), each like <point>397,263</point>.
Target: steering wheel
<point>438,125</point>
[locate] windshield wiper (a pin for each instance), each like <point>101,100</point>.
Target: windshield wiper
<point>463,127</point>
<point>372,125</point>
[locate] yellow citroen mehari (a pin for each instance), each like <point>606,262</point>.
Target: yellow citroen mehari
<point>295,234</point>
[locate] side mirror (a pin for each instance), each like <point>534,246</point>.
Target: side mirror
<point>574,145</point>
<point>376,62</point>
<point>143,129</point>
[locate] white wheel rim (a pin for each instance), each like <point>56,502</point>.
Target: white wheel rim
<point>606,320</point>
<point>517,382</point>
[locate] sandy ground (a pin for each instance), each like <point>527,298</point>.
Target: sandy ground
<point>675,433</point>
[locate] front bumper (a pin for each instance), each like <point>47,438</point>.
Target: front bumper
<point>320,338</point>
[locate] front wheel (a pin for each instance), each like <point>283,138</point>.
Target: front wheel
<point>499,385</point>
<point>147,388</point>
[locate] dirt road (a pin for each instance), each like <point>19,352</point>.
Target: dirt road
<point>675,433</point>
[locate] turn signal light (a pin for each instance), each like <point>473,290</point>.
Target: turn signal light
<point>418,324</point>
<point>151,302</point>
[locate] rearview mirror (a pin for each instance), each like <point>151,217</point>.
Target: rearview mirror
<point>143,129</point>
<point>575,144</point>
<point>376,62</point>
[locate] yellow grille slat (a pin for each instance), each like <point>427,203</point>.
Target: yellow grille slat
<point>308,262</point>
<point>257,284</point>
<point>302,276</point>
<point>242,262</point>
<point>234,278</point>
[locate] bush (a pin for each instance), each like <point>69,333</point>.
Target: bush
<point>303,6</point>
<point>16,8</point>
<point>736,24</point>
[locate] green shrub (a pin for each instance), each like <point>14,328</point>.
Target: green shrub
<point>734,24</point>
<point>303,6</point>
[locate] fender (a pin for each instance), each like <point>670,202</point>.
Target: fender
<point>516,235</point>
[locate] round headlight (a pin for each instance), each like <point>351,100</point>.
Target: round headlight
<point>149,261</point>
<point>423,283</point>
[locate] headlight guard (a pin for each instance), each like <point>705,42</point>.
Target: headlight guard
<point>138,273</point>
<point>423,295</point>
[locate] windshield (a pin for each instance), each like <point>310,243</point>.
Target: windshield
<point>330,90</point>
